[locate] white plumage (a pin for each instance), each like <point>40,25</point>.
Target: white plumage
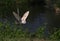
<point>16,16</point>
<point>23,18</point>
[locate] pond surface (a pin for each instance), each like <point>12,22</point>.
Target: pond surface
<point>33,26</point>
<point>38,21</point>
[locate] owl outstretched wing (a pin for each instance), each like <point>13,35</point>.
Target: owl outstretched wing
<point>16,16</point>
<point>24,17</point>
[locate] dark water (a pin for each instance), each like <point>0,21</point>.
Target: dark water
<point>33,26</point>
<point>38,21</point>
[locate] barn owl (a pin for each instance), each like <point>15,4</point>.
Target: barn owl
<point>21,20</point>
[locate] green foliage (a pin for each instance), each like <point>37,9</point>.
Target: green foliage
<point>40,32</point>
<point>14,32</point>
<point>55,35</point>
<point>6,31</point>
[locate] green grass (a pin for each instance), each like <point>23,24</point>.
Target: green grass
<point>8,33</point>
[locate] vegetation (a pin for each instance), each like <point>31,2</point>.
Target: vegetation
<point>8,33</point>
<point>15,33</point>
